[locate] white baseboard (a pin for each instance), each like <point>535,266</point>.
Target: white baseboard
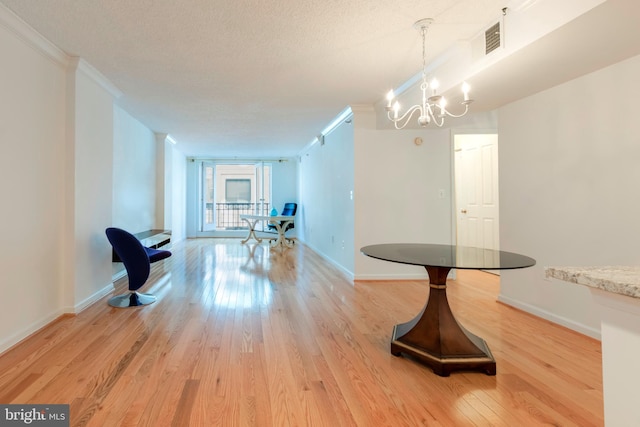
<point>412,276</point>
<point>343,270</point>
<point>544,314</point>
<point>25,333</point>
<point>91,299</point>
<point>36,326</point>
<point>405,276</point>
<point>119,275</point>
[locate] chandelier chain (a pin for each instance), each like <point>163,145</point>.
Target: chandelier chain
<point>424,53</point>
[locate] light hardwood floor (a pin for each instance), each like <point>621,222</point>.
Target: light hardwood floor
<point>281,338</point>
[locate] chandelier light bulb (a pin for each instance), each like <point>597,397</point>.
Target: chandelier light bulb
<point>443,106</point>
<point>390,97</point>
<point>465,90</point>
<point>435,84</point>
<point>432,108</point>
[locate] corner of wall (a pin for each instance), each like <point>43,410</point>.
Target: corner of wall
<point>97,77</point>
<point>31,37</point>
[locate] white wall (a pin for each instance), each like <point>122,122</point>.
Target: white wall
<point>134,173</point>
<point>192,196</point>
<point>284,187</point>
<point>32,190</point>
<point>568,170</point>
<point>397,185</point>
<point>170,188</point>
<point>90,138</point>
<point>177,186</point>
<point>326,213</point>
<point>56,180</point>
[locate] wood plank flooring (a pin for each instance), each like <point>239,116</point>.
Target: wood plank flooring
<point>242,335</point>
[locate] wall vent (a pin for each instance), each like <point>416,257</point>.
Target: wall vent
<point>492,38</point>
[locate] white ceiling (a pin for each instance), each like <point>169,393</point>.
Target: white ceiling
<point>262,78</point>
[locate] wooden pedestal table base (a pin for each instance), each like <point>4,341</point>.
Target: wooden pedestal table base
<point>434,336</point>
<point>437,339</point>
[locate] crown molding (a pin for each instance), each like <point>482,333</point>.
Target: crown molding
<point>161,136</point>
<point>31,37</point>
<point>77,63</point>
<point>27,34</point>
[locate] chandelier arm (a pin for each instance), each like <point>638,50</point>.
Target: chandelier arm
<point>429,110</point>
<point>405,117</point>
<point>435,121</point>
<point>448,113</point>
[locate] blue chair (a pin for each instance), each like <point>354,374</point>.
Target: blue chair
<point>289,210</point>
<point>137,261</point>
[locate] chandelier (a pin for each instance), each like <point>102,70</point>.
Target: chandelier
<point>433,107</point>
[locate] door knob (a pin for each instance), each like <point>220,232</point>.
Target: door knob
<point>463,211</point>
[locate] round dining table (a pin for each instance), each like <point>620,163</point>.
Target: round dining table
<point>434,336</point>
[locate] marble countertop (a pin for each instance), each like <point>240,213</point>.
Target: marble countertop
<point>623,280</point>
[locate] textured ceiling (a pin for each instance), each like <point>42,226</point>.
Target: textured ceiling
<point>262,78</point>
<point>251,78</point>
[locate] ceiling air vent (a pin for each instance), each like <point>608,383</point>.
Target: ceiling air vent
<point>492,38</point>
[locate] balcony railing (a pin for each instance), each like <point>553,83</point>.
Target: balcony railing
<point>227,215</point>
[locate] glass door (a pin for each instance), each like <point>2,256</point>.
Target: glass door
<point>263,190</point>
<point>230,190</point>
<point>263,187</point>
<point>207,199</point>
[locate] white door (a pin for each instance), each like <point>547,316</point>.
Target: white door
<point>476,187</point>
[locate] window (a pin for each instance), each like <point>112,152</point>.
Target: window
<point>229,190</point>
<point>237,190</point>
